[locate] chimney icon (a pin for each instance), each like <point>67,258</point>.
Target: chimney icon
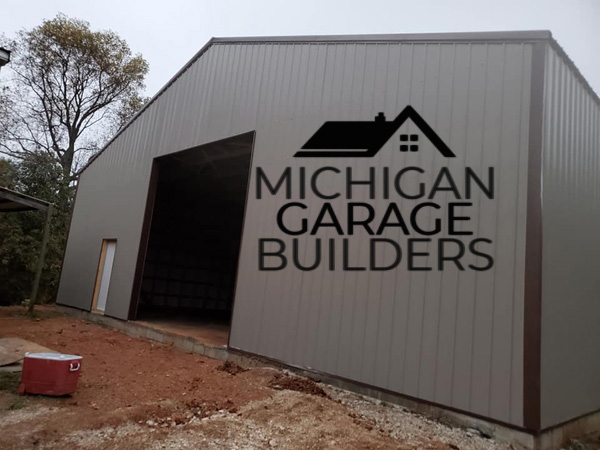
<point>379,118</point>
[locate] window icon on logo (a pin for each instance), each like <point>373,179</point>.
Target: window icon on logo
<point>412,147</point>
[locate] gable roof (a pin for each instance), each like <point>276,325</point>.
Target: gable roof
<point>488,36</point>
<point>366,135</point>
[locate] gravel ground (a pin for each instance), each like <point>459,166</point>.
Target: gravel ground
<point>287,420</point>
<point>134,394</point>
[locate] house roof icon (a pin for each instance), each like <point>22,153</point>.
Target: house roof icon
<point>334,139</point>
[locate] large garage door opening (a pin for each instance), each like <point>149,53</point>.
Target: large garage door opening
<point>193,245</point>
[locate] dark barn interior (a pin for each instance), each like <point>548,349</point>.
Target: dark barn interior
<point>193,247</point>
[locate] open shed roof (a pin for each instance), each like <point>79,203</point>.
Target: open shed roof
<point>11,201</point>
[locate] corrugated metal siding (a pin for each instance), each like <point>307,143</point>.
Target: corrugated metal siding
<point>451,337</point>
<point>570,364</point>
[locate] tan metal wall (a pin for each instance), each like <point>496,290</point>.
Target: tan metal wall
<point>570,353</point>
<point>454,338</point>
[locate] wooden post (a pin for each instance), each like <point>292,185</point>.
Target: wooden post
<point>42,257</point>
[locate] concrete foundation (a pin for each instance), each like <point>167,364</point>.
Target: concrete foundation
<point>552,439</point>
<point>146,330</point>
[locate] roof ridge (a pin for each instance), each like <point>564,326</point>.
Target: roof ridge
<point>395,37</point>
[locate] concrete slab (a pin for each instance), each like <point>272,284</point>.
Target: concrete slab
<point>213,334</point>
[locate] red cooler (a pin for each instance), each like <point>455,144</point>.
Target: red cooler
<point>50,374</point>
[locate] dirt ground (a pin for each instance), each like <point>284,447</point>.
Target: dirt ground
<point>134,394</point>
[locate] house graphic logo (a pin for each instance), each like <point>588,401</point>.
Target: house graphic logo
<point>413,218</point>
<point>345,139</point>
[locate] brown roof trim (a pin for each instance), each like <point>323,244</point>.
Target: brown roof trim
<point>144,238</point>
<point>525,35</point>
<point>532,324</point>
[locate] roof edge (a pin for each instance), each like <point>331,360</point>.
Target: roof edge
<point>27,199</point>
<point>174,78</point>
<point>586,85</point>
<point>525,35</point>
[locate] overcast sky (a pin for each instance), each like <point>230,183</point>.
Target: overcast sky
<point>169,32</point>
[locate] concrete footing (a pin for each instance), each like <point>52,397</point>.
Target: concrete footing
<point>138,330</point>
<point>551,439</point>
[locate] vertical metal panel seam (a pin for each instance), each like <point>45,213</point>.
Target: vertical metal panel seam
<point>497,198</point>
<point>453,371</point>
<point>299,350</point>
<point>364,319</point>
<point>331,338</point>
<point>389,368</point>
<point>300,87</point>
<point>431,219</point>
<point>437,356</point>
<point>515,246</point>
<point>438,338</point>
<point>323,275</point>
<point>406,322</point>
<point>420,340</point>
<point>353,319</point>
<point>474,316</point>
<point>381,281</point>
<point>343,309</point>
<point>257,333</point>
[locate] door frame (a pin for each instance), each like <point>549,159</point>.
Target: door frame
<point>147,222</point>
<point>99,271</point>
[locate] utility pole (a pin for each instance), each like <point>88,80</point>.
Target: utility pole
<point>40,264</point>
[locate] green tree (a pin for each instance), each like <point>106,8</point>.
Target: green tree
<point>68,84</point>
<point>21,232</point>
<point>66,90</point>
<point>7,173</point>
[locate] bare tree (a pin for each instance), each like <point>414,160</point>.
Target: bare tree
<point>69,85</point>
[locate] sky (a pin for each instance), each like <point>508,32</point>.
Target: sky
<point>169,33</point>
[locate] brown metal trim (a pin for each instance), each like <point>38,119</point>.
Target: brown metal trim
<point>145,235</point>
<point>101,257</point>
<point>325,377</point>
<point>99,271</point>
<point>532,332</point>
<point>237,272</point>
<point>97,280</point>
<point>62,263</point>
<point>524,35</point>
